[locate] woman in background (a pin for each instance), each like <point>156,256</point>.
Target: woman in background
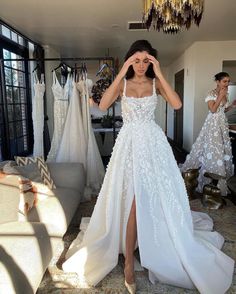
<point>212,148</point>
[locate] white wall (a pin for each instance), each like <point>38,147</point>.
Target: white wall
<point>230,68</point>
<point>171,71</point>
<point>186,62</point>
<point>209,61</point>
<point>160,113</point>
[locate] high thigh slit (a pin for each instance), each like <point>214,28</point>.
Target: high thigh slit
<point>177,246</point>
<point>135,245</point>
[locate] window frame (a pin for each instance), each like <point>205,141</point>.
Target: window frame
<point>8,44</point>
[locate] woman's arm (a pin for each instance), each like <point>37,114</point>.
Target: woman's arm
<point>111,94</point>
<point>214,104</point>
<point>231,106</point>
<point>163,86</point>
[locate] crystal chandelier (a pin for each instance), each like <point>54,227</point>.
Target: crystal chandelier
<point>172,15</point>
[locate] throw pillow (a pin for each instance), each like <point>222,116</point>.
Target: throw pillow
<point>9,168</point>
<point>30,171</point>
<point>11,180</point>
<point>27,196</point>
<point>23,172</point>
<point>11,162</point>
<point>43,168</point>
<point>31,193</point>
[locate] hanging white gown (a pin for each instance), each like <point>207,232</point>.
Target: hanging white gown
<point>94,165</point>
<point>73,147</point>
<point>212,148</point>
<point>38,114</point>
<point>174,252</point>
<point>61,101</point>
<point>81,85</point>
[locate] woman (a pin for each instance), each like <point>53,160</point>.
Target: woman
<point>143,199</point>
<point>212,149</point>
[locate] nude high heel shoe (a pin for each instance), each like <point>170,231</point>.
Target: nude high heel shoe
<point>130,287</point>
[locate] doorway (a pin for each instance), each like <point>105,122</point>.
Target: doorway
<point>178,114</point>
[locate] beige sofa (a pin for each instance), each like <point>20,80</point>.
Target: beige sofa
<point>27,244</point>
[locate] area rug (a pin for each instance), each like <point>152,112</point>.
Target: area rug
<point>58,282</point>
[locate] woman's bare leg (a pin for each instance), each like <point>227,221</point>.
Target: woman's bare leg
<point>131,237</point>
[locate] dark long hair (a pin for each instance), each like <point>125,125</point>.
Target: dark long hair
<point>220,75</point>
<point>139,46</point>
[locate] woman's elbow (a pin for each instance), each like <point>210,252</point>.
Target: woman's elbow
<point>177,105</point>
<point>212,109</point>
<point>102,107</point>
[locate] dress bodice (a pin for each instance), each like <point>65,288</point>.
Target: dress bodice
<point>59,92</point>
<point>39,86</point>
<point>138,110</point>
<point>212,95</point>
<point>84,85</point>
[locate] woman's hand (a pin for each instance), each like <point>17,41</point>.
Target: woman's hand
<point>115,88</point>
<point>221,97</point>
<point>156,65</point>
<point>130,61</point>
<point>163,86</point>
<point>223,93</point>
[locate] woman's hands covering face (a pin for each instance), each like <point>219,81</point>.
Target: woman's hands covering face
<point>223,92</point>
<point>133,59</point>
<point>156,65</point>
<point>130,61</point>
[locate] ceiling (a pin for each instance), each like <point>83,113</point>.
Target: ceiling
<point>98,27</point>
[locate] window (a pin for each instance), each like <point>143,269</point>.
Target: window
<point>16,103</point>
<point>16,131</point>
<point>12,35</point>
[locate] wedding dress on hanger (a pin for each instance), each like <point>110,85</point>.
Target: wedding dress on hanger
<point>174,244</point>
<point>94,165</point>
<point>38,114</point>
<point>73,147</point>
<point>61,101</point>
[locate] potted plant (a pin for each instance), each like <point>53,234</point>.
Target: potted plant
<point>107,120</point>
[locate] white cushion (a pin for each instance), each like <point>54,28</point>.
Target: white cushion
<point>25,252</point>
<point>56,210</point>
<point>9,203</point>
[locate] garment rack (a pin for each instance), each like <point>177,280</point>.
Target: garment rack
<point>59,59</point>
<point>62,59</point>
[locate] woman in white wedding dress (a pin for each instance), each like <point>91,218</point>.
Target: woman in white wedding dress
<point>212,148</point>
<point>143,200</point>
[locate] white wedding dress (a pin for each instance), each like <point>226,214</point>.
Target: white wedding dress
<point>73,147</point>
<point>61,102</point>
<point>94,166</point>
<point>175,245</point>
<point>38,114</point>
<point>212,148</point>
